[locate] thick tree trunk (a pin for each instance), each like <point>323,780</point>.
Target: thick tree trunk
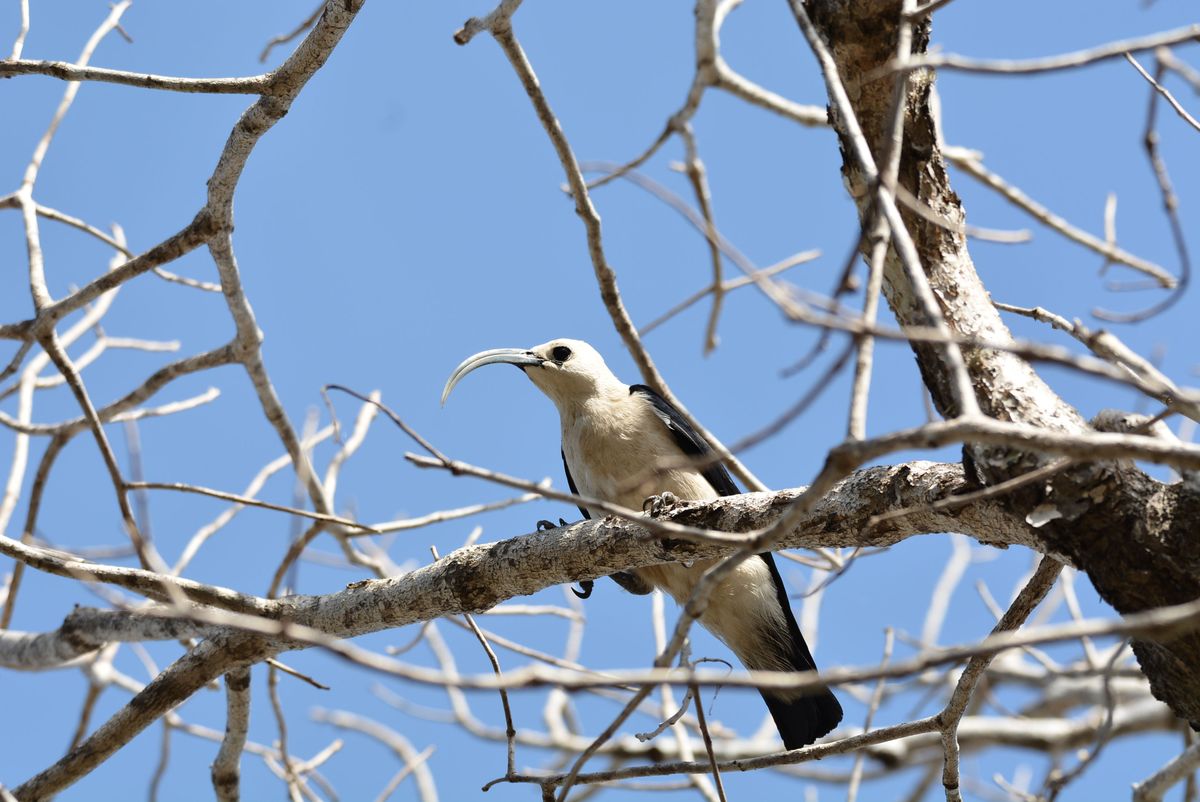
<point>1134,536</point>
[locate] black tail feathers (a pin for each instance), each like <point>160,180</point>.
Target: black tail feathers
<point>802,721</point>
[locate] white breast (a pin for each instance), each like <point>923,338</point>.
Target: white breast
<point>614,447</point>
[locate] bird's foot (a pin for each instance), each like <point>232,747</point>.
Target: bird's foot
<point>657,505</point>
<point>585,587</point>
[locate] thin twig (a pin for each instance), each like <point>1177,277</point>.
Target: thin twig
<point>251,502</point>
<point>975,168</point>
<point>77,72</point>
<point>889,639</point>
<point>1179,109</point>
<point>1066,61</point>
<point>289,768</point>
<point>284,38</point>
<point>1155,787</point>
<point>1170,203</point>
<point>948,720</point>
<point>698,176</point>
<point>22,32</point>
<point>510,731</point>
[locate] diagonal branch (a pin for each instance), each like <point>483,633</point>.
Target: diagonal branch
<point>1146,568</point>
<point>951,716</point>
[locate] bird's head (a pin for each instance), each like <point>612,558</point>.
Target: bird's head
<point>568,371</point>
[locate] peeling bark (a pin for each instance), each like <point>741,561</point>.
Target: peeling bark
<point>477,578</point>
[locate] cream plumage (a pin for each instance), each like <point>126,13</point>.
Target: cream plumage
<point>622,443</point>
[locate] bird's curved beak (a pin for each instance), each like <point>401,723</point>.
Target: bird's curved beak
<point>520,357</point>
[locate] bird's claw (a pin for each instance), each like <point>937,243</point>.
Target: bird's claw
<point>657,505</point>
<point>587,584</point>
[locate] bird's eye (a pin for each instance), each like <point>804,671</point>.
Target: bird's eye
<point>561,353</point>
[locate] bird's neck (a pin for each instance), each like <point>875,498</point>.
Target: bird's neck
<point>604,397</point>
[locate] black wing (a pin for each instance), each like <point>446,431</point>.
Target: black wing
<point>800,721</point>
<point>586,584</point>
<point>688,439</point>
<point>571,484</point>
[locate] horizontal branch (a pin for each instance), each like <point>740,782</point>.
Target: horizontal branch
<point>272,636</point>
<point>1078,58</point>
<point>66,71</point>
<point>814,752</point>
<point>478,577</point>
<point>84,631</point>
<point>899,743</point>
<point>1086,446</point>
<point>1162,623</point>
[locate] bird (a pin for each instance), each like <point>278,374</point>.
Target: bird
<point>613,433</point>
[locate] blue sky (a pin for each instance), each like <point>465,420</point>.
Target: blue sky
<point>407,213</point>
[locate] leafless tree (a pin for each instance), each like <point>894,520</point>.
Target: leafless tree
<point>1033,472</point>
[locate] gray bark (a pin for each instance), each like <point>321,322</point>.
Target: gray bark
<point>1134,538</point>
<point>479,577</point>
